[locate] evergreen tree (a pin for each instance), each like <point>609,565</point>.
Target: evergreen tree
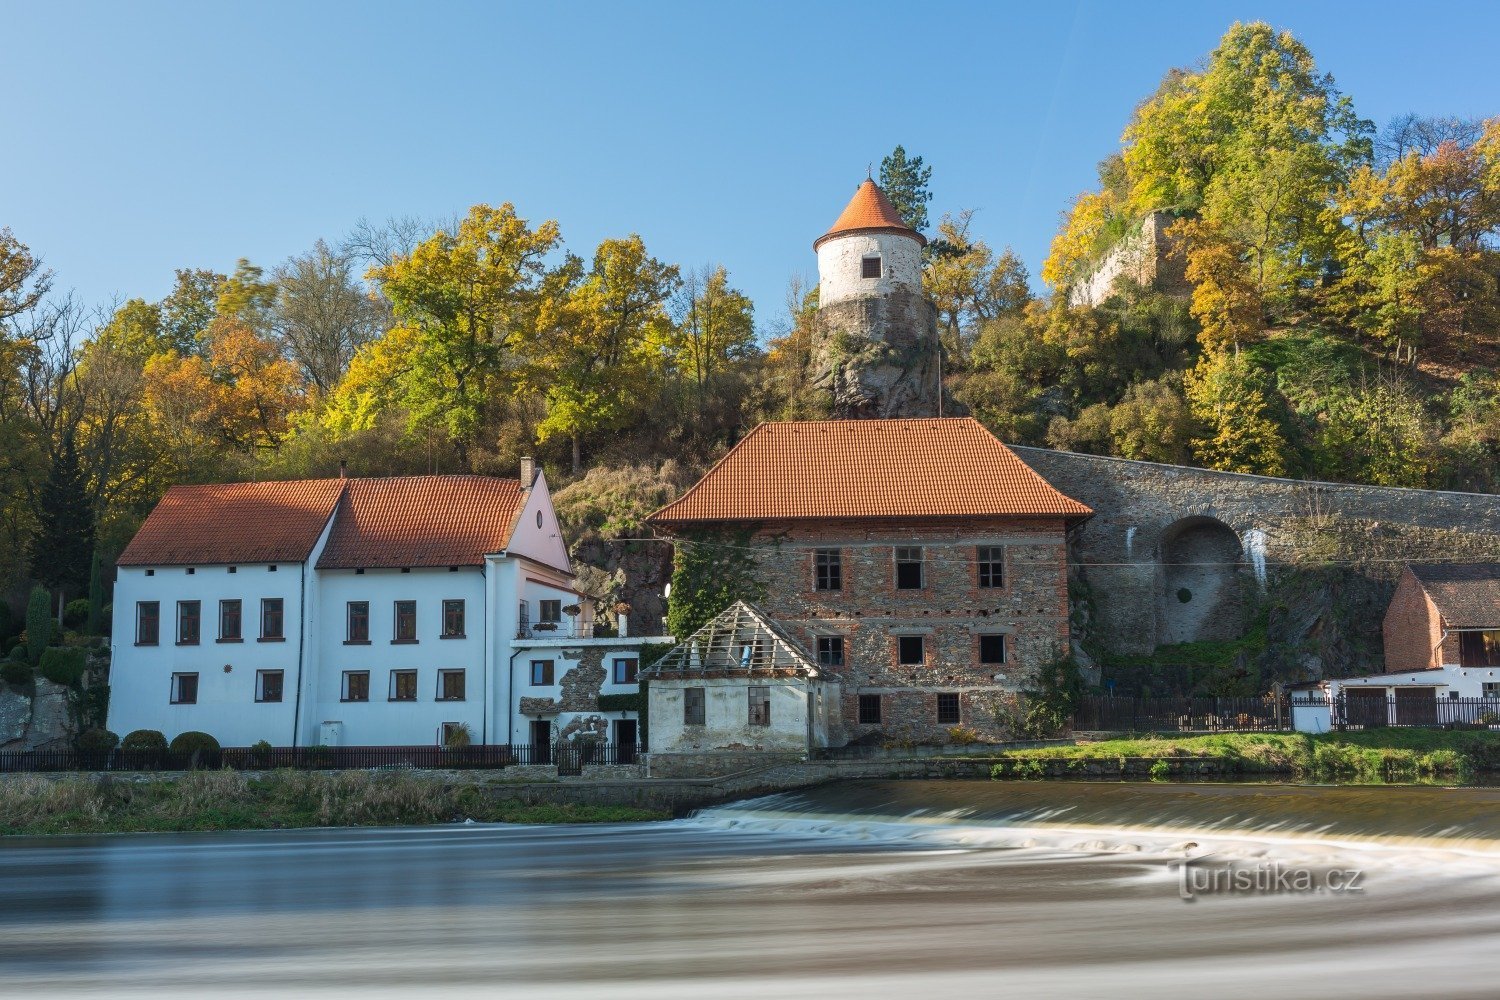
<point>38,624</point>
<point>904,181</point>
<point>64,544</point>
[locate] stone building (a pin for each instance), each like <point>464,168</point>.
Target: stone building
<point>919,563</point>
<point>877,351</point>
<point>1148,257</point>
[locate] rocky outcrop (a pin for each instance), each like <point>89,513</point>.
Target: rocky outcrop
<point>878,356</point>
<point>35,720</point>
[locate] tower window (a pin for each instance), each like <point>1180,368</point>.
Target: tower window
<point>869,267</point>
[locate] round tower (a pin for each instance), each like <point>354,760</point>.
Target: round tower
<point>877,349</point>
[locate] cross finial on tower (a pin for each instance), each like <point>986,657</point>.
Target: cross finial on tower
<point>870,171</point>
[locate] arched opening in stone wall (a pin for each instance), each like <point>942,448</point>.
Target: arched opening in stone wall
<point>1201,600</point>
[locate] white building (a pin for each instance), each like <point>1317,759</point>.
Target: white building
<point>362,612</point>
<point>740,682</point>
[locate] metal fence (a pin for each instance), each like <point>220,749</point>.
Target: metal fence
<point>1267,713</point>
<point>321,758</point>
<point>1419,708</point>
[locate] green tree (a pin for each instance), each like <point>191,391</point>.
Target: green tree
<point>1232,401</point>
<point>463,301</point>
<point>904,180</point>
<point>23,281</point>
<point>38,624</point>
<point>64,543</point>
<point>591,358</point>
<point>713,332</point>
<point>187,312</point>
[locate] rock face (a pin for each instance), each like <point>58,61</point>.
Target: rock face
<point>878,356</point>
<point>36,721</point>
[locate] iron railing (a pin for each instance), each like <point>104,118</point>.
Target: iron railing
<point>1267,713</point>
<point>1352,710</point>
<point>317,758</point>
<point>573,628</point>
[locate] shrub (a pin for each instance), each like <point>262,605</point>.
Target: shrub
<point>63,666</point>
<point>194,742</point>
<point>16,672</point>
<point>76,613</point>
<point>458,737</point>
<point>961,735</point>
<point>38,624</point>
<point>7,621</point>
<point>144,739</point>
<point>96,741</point>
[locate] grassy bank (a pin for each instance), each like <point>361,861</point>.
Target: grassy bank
<point>1374,755</point>
<point>231,800</point>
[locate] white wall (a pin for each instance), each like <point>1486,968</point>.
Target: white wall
<point>539,538</point>
<point>840,265</point>
<point>727,715</point>
<point>565,656</point>
<point>381,721</point>
<point>141,676</point>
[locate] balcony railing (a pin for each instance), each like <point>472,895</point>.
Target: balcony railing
<point>570,628</point>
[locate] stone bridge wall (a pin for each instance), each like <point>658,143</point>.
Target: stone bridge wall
<point>1320,559</point>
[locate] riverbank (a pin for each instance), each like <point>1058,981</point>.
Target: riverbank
<point>1371,755</point>
<point>232,800</point>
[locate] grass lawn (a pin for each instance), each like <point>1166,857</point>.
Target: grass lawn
<point>1377,754</point>
<point>231,800</point>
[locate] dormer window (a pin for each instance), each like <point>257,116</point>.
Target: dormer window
<point>869,267</point>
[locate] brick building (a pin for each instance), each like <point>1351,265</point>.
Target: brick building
<point>919,563</point>
<point>1444,614</point>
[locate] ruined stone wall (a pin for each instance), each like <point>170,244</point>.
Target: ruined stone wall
<point>1318,560</point>
<point>1146,257</point>
<point>950,612</point>
<point>877,355</point>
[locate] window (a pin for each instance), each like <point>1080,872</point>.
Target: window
<point>760,706</point>
<point>268,685</point>
<point>229,621</point>
<point>541,673</point>
<point>992,649</point>
<point>450,685</point>
<point>991,560</point>
<point>626,670</point>
<point>453,619</point>
<point>831,650</point>
<point>147,623</point>
<point>187,623</point>
<point>828,569</point>
<point>869,267</point>
<point>551,611</point>
<point>356,685</point>
<point>693,710</point>
<point>406,621</point>
<point>909,567</point>
<point>869,709</point>
<point>910,650</point>
<point>1491,689</point>
<point>271,624</point>
<point>403,685</point>
<point>359,621</point>
<point>947,706</point>
<point>1479,649</point>
<point>184,689</point>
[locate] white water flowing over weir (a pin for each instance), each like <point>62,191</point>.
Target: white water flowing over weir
<point>873,889</point>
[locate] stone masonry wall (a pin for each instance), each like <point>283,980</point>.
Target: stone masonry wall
<point>878,356</point>
<point>950,612</point>
<point>1324,556</point>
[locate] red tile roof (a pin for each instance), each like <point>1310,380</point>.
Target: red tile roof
<point>1467,595</point>
<point>234,523</point>
<point>422,521</point>
<point>402,521</point>
<point>868,468</point>
<point>868,211</point>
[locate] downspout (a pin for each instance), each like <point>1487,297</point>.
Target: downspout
<point>301,653</point>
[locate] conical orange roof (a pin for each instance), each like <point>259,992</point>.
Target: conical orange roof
<point>869,211</point>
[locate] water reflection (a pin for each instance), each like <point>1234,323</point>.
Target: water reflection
<point>1025,891</point>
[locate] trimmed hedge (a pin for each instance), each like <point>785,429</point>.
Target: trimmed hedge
<point>144,739</point>
<point>192,742</point>
<point>63,666</point>
<point>96,741</point>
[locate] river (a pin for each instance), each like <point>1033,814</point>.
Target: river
<point>939,889</point>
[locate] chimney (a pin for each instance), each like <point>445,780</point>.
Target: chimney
<point>343,469</point>
<point>528,472</point>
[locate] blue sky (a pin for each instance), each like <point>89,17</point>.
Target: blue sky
<point>138,138</point>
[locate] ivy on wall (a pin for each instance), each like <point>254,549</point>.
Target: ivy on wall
<point>709,573</point>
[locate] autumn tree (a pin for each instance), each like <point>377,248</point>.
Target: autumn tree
<point>969,283</point>
<point>904,180</point>
<point>321,315</point>
<point>591,356</point>
<point>463,301</point>
<point>1232,401</point>
<point>189,309</point>
<point>713,331</point>
<point>23,281</point>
